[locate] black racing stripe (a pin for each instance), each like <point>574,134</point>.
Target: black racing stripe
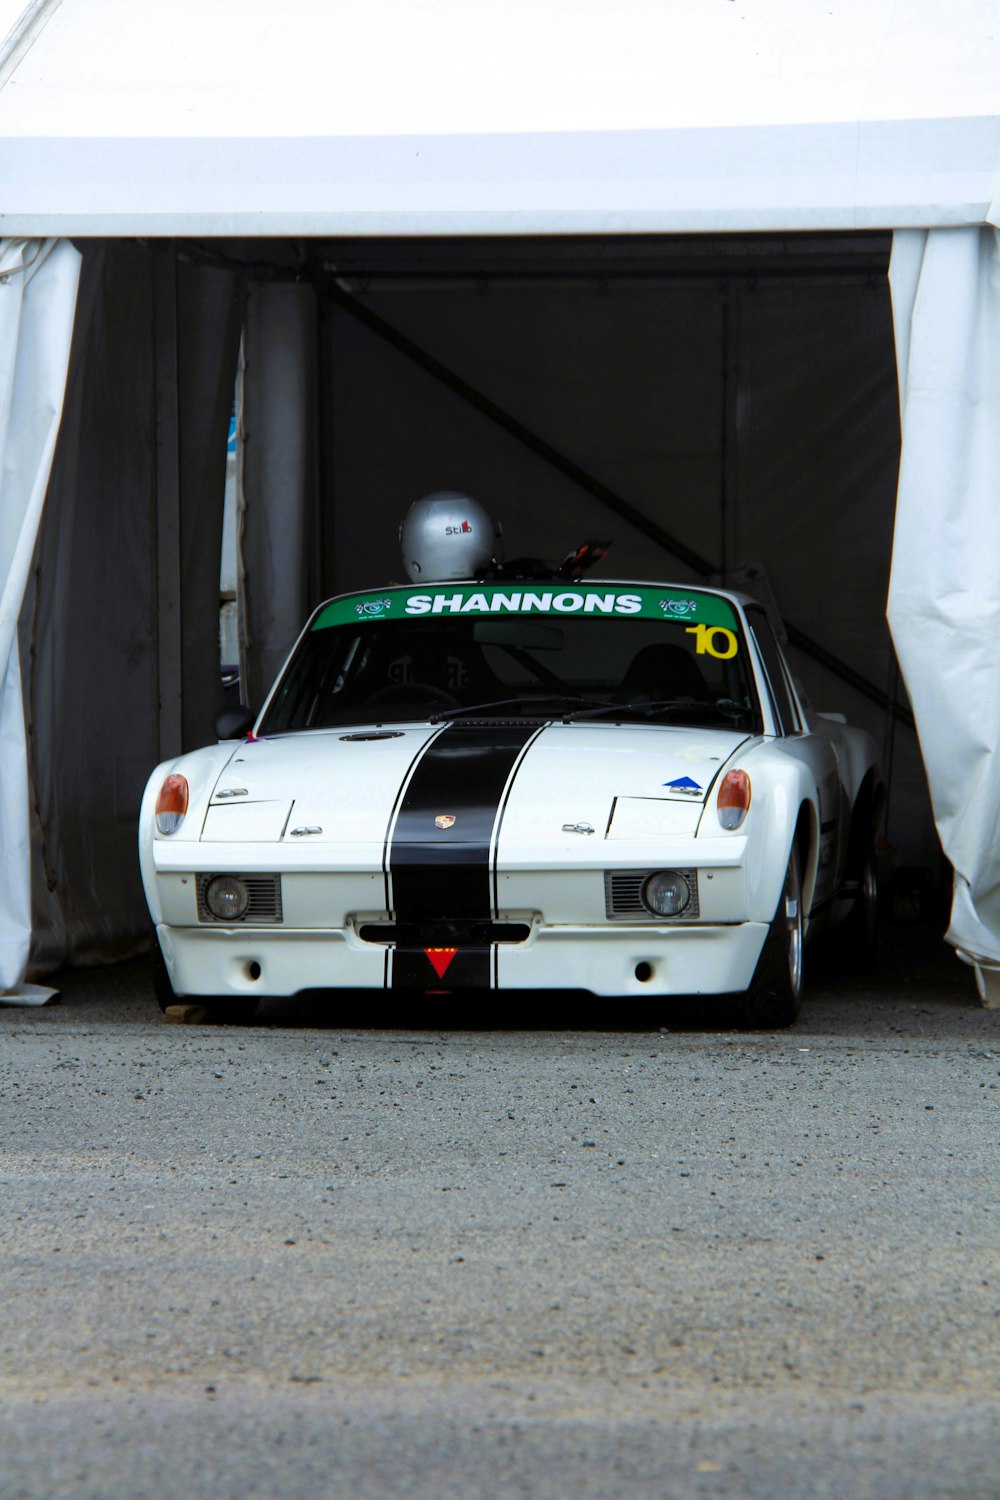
<point>444,873</point>
<point>441,875</point>
<point>413,970</point>
<point>385,847</point>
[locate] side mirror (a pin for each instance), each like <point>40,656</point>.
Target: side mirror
<point>234,723</point>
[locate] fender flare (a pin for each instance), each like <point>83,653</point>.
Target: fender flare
<point>787,812</point>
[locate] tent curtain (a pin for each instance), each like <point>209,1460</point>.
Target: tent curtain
<point>122,609</point>
<point>944,596</point>
<point>38,286</point>
<point>90,619</point>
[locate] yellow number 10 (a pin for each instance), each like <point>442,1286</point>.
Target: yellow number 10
<point>713,640</point>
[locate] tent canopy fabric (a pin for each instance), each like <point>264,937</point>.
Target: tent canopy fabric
<point>465,117</point>
<point>944,599</point>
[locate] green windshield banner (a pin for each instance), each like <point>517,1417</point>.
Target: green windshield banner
<point>681,606</point>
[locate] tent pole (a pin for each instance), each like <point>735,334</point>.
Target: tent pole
<point>168,529</point>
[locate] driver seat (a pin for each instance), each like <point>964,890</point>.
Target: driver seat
<point>662,671</point>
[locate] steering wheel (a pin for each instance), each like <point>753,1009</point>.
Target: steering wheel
<point>412,692</point>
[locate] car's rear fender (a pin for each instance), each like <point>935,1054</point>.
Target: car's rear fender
<point>866,816</point>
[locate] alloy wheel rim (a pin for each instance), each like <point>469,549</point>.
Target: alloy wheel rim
<point>793,922</point>
<point>869,895</point>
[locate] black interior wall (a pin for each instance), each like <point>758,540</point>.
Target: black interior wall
<point>664,367</point>
<point>623,382</point>
<point>738,393</point>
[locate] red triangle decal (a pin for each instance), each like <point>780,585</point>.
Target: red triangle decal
<point>440,959</point>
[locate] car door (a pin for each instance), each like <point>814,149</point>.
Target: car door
<point>819,754</point>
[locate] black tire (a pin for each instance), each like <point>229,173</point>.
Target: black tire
<point>225,1008</point>
<point>162,988</point>
<point>858,936</point>
<point>775,994</point>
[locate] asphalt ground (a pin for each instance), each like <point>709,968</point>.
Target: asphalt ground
<point>491,1250</point>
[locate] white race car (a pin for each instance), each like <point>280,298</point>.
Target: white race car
<point>597,786</point>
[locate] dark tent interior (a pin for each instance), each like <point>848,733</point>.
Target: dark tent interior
<point>721,406</point>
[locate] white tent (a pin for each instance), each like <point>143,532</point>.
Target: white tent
<point>236,127</point>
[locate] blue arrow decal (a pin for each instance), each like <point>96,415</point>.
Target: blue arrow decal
<point>683,784</point>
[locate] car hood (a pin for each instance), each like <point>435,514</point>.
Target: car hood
<point>344,786</point>
<point>623,781</point>
<point>341,784</point>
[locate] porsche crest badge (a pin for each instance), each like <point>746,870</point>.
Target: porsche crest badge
<point>444,820</point>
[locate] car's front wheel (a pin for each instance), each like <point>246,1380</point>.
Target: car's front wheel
<point>162,988</point>
<point>775,994</point>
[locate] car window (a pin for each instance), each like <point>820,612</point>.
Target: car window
<point>683,658</point>
<point>774,666</point>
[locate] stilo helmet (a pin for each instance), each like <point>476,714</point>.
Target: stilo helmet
<point>447,535</point>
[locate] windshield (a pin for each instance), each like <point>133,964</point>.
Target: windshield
<point>666,655</point>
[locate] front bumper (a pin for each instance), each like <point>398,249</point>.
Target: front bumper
<point>638,961</point>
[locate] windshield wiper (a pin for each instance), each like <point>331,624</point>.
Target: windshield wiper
<point>658,705</point>
<point>561,698</point>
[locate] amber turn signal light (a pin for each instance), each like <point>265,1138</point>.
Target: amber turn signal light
<point>172,804</point>
<point>733,802</point>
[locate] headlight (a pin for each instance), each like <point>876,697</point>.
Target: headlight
<point>733,802</point>
<point>227,897</point>
<point>666,894</point>
<point>171,804</point>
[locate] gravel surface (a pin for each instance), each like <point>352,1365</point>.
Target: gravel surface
<point>503,1252</point>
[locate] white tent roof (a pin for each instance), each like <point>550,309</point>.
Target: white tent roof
<point>472,116</point>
